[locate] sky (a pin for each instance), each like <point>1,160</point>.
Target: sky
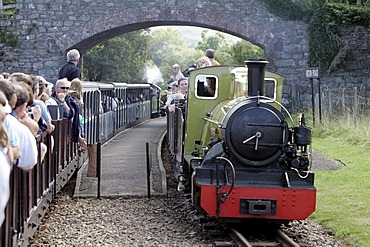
<point>193,34</point>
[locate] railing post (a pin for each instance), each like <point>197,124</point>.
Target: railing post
<point>355,104</point>
<point>98,158</point>
<point>319,84</point>
<point>148,167</point>
<point>99,167</point>
<point>313,101</point>
<point>343,103</point>
<point>330,103</point>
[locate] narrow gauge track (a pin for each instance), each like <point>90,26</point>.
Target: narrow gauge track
<point>224,235</point>
<point>220,234</point>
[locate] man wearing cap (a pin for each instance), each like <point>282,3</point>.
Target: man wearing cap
<point>70,70</point>
<point>210,53</point>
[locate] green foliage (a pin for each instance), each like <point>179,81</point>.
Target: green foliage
<point>355,131</point>
<point>167,47</point>
<point>8,11</point>
<point>8,38</point>
<point>225,53</point>
<point>323,19</point>
<point>350,2</point>
<point>5,2</point>
<point>345,15</point>
<point>119,59</point>
<point>323,46</point>
<point>216,42</point>
<point>211,41</point>
<point>287,9</point>
<point>347,188</point>
<point>128,57</point>
<point>243,50</point>
<point>31,28</point>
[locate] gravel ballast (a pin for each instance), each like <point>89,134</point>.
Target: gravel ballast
<point>167,220</point>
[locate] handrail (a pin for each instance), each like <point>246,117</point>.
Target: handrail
<point>224,195</point>
<point>33,191</point>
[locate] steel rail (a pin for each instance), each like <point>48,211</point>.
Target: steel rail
<point>286,239</point>
<point>241,238</point>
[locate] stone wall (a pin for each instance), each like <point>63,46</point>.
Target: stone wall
<point>48,28</point>
<point>354,69</point>
<point>351,74</point>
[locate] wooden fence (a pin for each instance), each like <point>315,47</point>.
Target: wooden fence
<point>332,102</point>
<point>348,101</point>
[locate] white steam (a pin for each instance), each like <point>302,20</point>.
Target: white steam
<point>154,75</point>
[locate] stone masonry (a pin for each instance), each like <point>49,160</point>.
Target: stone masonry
<point>47,29</point>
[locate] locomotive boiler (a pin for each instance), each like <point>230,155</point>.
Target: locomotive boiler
<point>238,149</point>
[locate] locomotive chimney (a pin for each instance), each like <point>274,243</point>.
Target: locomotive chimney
<point>256,76</point>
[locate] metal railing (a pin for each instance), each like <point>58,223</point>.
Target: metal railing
<point>32,192</point>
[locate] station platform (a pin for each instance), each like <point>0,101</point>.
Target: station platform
<point>124,164</point>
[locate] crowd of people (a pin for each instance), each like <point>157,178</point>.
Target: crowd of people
<point>178,83</point>
<point>24,114</point>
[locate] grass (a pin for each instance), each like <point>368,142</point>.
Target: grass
<point>343,196</point>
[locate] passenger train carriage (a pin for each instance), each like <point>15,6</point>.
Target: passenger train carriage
<point>237,148</point>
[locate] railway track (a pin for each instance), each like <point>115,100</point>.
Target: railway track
<point>224,235</point>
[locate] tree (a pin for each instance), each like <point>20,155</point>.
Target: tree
<point>133,57</point>
<point>168,47</point>
<point>122,58</point>
<point>226,53</point>
<point>243,50</point>
<point>211,41</point>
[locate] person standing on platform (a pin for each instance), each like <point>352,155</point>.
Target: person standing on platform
<point>70,70</point>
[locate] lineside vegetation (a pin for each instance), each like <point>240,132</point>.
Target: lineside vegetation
<point>343,196</point>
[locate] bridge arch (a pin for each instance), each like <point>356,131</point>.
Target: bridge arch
<point>48,29</point>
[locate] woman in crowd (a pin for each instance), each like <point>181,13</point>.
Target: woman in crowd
<point>45,121</point>
<point>76,93</point>
<point>183,86</point>
<point>5,162</point>
<point>203,62</point>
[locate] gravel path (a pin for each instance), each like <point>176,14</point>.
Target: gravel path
<point>118,222</point>
<point>160,221</point>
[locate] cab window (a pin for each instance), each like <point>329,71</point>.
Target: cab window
<point>270,88</point>
<point>206,86</point>
<point>240,84</point>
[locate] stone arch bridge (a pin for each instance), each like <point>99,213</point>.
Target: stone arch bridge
<point>48,28</point>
